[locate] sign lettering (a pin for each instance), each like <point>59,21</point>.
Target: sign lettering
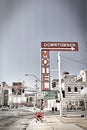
<point>45,73</point>
<point>60,46</point>
<point>46,47</point>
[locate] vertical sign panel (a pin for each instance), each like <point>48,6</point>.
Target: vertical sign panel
<point>45,70</point>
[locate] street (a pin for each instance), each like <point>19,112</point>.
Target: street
<point>15,119</point>
<point>19,119</point>
<point>24,119</point>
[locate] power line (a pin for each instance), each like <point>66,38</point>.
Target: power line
<point>75,60</point>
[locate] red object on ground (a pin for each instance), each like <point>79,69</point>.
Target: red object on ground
<point>39,115</point>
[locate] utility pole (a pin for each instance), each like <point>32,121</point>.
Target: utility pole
<point>36,89</point>
<point>59,68</point>
<point>2,97</point>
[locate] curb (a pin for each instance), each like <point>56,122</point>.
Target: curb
<point>30,127</point>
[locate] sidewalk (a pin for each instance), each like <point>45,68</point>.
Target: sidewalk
<point>52,123</point>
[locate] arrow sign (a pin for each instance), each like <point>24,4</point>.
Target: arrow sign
<point>59,46</point>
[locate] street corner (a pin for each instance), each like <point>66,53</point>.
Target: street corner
<point>38,125</point>
<point>32,123</point>
<point>42,127</point>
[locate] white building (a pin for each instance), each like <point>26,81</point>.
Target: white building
<point>4,94</point>
<point>82,76</point>
<point>16,95</point>
<point>71,90</point>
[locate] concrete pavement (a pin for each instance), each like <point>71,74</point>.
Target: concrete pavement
<point>52,123</point>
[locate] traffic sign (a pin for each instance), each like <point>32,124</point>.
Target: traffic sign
<point>59,46</point>
<point>40,95</point>
<point>51,95</point>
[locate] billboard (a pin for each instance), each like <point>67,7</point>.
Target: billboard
<point>17,88</point>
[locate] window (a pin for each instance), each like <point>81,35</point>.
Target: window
<point>27,100</point>
<point>81,103</point>
<point>81,87</point>
<point>5,91</point>
<point>31,99</point>
<point>69,89</point>
<point>63,93</point>
<point>53,84</point>
<point>76,89</point>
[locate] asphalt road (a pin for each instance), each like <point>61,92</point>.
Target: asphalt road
<point>16,119</point>
<point>20,119</point>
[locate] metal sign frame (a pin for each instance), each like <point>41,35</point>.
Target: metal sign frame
<point>46,47</point>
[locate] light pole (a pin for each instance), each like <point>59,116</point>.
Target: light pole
<point>2,97</point>
<point>33,76</point>
<point>59,67</point>
<point>36,86</point>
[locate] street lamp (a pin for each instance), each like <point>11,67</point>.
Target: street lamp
<point>33,76</point>
<point>59,67</point>
<point>36,86</point>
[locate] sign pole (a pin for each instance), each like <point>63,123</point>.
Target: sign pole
<point>59,68</point>
<point>54,46</point>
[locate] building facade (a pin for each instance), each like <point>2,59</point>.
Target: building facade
<point>4,94</point>
<point>16,95</point>
<point>71,87</point>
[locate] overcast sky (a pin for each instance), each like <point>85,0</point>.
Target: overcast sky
<point>25,23</point>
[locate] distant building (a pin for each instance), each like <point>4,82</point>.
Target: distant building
<point>21,96</point>
<point>0,94</point>
<point>16,95</point>
<point>4,94</point>
<point>82,76</point>
<point>71,90</point>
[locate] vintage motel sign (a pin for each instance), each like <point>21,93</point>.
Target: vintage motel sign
<point>59,46</point>
<point>45,65</point>
<point>45,59</point>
